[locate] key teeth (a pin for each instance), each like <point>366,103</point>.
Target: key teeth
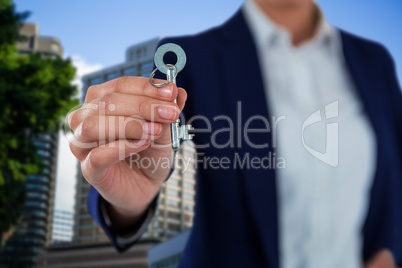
<point>185,134</point>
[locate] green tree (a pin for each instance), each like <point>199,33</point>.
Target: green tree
<point>35,93</point>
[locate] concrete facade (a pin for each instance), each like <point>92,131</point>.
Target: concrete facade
<point>47,46</point>
<point>96,255</point>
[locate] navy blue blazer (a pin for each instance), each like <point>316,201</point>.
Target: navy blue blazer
<point>236,220</point>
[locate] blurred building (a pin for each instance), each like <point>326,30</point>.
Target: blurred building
<point>62,227</point>
<point>95,255</point>
<point>168,253</point>
<point>176,204</point>
<point>32,233</point>
<point>139,62</point>
<point>47,46</point>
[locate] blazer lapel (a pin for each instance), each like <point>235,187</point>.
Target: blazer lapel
<point>243,87</point>
<point>366,73</point>
<point>366,77</point>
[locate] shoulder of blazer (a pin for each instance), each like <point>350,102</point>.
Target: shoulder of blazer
<point>218,36</point>
<point>369,58</point>
<point>363,48</point>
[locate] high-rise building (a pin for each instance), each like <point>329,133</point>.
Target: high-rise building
<point>176,202</point>
<point>45,45</point>
<point>95,255</point>
<point>32,233</point>
<point>139,62</point>
<point>62,227</point>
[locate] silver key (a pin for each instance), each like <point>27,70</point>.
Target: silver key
<point>171,71</point>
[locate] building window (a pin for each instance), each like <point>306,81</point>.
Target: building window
<point>36,204</point>
<point>46,162</point>
<point>188,207</point>
<point>32,42</point>
<point>37,187</point>
<point>188,185</point>
<point>188,218</point>
<point>37,195</point>
<point>145,235</point>
<point>43,153</point>
<point>174,215</point>
<point>173,192</point>
<point>173,227</point>
<point>130,71</point>
<point>95,81</point>
<point>45,171</point>
<point>38,178</point>
<point>146,74</point>
<point>103,239</point>
<point>161,214</point>
<point>138,53</point>
<point>86,232</point>
<point>83,201</point>
<point>173,181</point>
<point>189,175</point>
<point>112,76</point>
<point>147,65</point>
<point>86,241</point>
<point>173,203</point>
<point>47,137</point>
<point>156,223</point>
<point>39,223</point>
<point>86,222</point>
<point>188,196</point>
<point>84,210</point>
<point>39,232</point>
<point>42,144</point>
<point>39,214</point>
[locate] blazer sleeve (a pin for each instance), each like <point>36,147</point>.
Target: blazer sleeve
<point>120,241</point>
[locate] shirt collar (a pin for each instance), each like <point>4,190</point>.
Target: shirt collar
<point>265,31</point>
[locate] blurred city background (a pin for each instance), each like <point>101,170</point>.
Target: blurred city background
<point>104,40</point>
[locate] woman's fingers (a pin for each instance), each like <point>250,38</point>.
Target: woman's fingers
<point>101,158</point>
<point>105,129</point>
<point>117,104</point>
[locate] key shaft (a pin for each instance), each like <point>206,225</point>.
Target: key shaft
<point>178,132</point>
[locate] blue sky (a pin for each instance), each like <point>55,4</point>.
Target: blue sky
<point>100,30</point>
<point>96,33</point>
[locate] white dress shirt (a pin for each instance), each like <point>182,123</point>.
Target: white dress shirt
<point>322,203</point>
